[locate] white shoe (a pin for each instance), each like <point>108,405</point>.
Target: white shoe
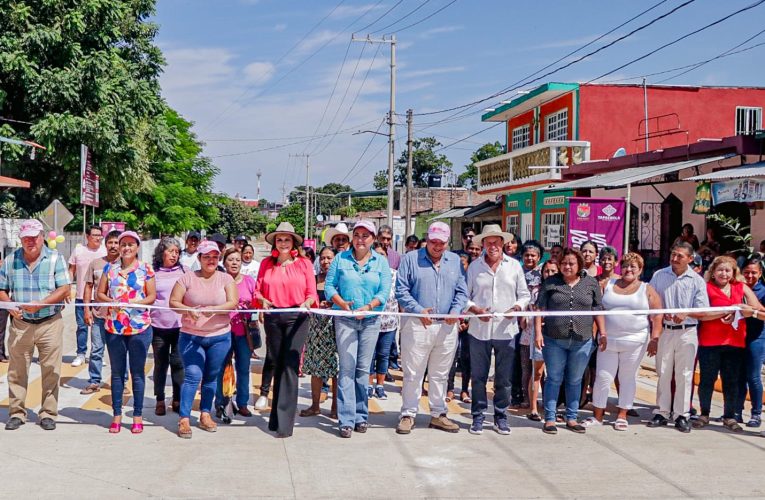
<point>78,360</point>
<point>261,403</point>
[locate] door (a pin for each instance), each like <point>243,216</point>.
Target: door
<point>526,223</point>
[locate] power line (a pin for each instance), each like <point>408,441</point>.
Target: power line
<point>399,30</point>
<point>261,139</point>
<point>423,4</point>
<point>361,30</point>
<point>358,160</point>
<point>468,137</point>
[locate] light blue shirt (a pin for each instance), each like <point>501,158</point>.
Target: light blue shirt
<point>421,285</point>
<point>689,290</point>
<point>359,284</point>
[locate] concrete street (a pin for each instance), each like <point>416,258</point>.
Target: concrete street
<point>81,459</point>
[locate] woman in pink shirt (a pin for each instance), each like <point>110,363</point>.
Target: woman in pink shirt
<point>205,298</point>
<point>285,280</point>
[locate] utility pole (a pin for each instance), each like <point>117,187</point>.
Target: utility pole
<point>391,113</point>
<point>409,147</point>
<point>307,188</point>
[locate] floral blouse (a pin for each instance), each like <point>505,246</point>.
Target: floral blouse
<point>124,285</point>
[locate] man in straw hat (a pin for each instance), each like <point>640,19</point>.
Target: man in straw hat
<point>430,281</point>
<point>37,277</point>
<point>495,283</point>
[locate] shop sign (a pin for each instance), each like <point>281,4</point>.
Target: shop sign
<point>703,202</point>
<point>599,220</point>
<point>741,190</point>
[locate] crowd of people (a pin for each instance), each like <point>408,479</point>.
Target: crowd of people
<point>430,312</point>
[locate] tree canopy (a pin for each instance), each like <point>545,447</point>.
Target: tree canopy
<point>425,161</point>
<point>469,178</point>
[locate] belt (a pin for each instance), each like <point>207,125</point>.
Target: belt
<point>38,321</point>
<point>678,327</point>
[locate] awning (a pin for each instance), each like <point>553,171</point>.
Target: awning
<point>753,170</point>
<point>486,206</point>
<point>629,176</point>
<point>452,213</point>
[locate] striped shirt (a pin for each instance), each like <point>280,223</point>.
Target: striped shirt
<point>689,290</point>
<point>33,285</point>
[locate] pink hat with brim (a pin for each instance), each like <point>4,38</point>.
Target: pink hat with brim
<point>439,231</point>
<point>130,234</point>
<point>30,228</point>
<point>207,246</point>
<point>366,224</point>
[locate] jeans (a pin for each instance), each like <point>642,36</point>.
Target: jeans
<point>394,354</point>
<point>754,362</point>
<point>202,362</point>
<point>461,359</point>
<point>565,361</point>
<point>516,377</point>
<point>381,358</point>
<point>480,362</point>
<point>240,350</point>
<point>82,329</point>
<point>133,349</point>
<point>356,340</point>
<point>166,354</point>
<point>725,361</point>
<point>97,342</point>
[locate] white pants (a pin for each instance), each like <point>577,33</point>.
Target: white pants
<point>676,353</point>
<point>430,348</point>
<point>622,357</point>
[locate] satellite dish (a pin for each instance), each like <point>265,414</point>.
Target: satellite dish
<point>620,152</point>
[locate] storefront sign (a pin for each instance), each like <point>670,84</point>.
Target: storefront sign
<point>108,227</point>
<point>599,220</point>
<point>703,202</point>
<point>553,235</point>
<point>741,190</point>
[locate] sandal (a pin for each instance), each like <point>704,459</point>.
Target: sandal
<point>590,422</point>
<point>732,425</point>
<point>449,396</point>
<point>184,430</point>
<point>465,397</point>
<point>309,412</point>
<point>136,428</point>
<point>621,424</point>
<point>207,423</point>
<point>577,427</point>
<point>701,421</point>
<point>550,428</point>
<point>536,417</point>
<point>115,427</point>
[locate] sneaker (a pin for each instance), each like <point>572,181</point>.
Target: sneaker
<point>442,423</point>
<point>405,425</point>
<point>755,421</point>
<point>78,360</point>
<point>380,393</point>
<point>501,425</point>
<point>91,388</point>
<point>477,426</point>
<point>370,392</point>
<point>261,403</point>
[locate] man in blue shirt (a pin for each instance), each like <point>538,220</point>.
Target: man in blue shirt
<point>430,281</point>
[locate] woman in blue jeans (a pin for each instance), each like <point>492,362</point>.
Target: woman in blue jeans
<point>204,298</point>
<point>566,341</point>
<point>127,281</point>
<point>755,347</point>
<point>388,325</point>
<point>359,280</point>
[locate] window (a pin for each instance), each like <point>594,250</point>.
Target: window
<point>513,223</point>
<point>521,137</point>
<point>553,228</point>
<point>557,126</point>
<point>748,120</point>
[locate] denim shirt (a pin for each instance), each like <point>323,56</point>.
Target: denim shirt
<point>420,285</point>
<point>755,328</point>
<point>359,284</point>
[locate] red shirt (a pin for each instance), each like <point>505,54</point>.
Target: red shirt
<point>717,333</point>
<point>286,286</point>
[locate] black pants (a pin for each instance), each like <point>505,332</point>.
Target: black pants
<point>461,359</point>
<point>480,363</point>
<point>725,361</point>
<point>164,343</point>
<point>268,369</point>
<point>286,334</point>
<point>516,378</point>
<point>3,324</point>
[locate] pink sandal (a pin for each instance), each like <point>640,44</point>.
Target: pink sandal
<point>137,428</point>
<point>115,428</point>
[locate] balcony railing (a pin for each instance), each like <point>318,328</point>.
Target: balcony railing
<point>515,168</point>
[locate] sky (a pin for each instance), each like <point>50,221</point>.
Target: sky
<point>265,79</point>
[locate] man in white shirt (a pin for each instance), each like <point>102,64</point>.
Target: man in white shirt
<point>188,257</point>
<point>495,284</point>
<point>79,262</point>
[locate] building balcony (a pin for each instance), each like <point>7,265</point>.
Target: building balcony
<point>530,166</point>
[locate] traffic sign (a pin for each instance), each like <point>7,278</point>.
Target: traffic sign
<point>56,216</point>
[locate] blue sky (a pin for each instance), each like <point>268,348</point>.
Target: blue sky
<point>240,70</point>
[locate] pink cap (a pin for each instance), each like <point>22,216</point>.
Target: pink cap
<point>366,224</point>
<point>130,234</point>
<point>207,246</point>
<point>439,231</point>
<point>29,228</point>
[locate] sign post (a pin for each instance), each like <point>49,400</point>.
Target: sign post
<point>88,184</point>
<point>56,216</point>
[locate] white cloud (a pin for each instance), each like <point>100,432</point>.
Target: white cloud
<point>354,10</point>
<point>259,73</point>
<point>432,71</point>
<point>440,31</point>
<point>280,27</point>
<point>196,68</point>
<point>316,40</point>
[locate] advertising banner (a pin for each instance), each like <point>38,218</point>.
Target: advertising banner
<point>741,190</point>
<point>703,202</point>
<point>596,219</point>
<point>88,179</point>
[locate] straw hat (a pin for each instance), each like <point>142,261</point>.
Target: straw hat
<point>340,229</point>
<point>284,228</point>
<point>490,230</point>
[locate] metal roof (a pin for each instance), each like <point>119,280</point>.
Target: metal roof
<point>452,213</point>
<point>753,170</point>
<point>629,176</point>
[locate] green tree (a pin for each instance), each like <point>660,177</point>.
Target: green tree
<point>294,213</point>
<point>469,178</point>
<point>425,161</point>
<point>234,217</point>
<point>181,197</point>
<point>82,72</point>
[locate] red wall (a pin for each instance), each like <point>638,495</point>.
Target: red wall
<point>609,115</point>
<point>549,108</point>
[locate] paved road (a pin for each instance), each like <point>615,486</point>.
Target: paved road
<point>81,458</point>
